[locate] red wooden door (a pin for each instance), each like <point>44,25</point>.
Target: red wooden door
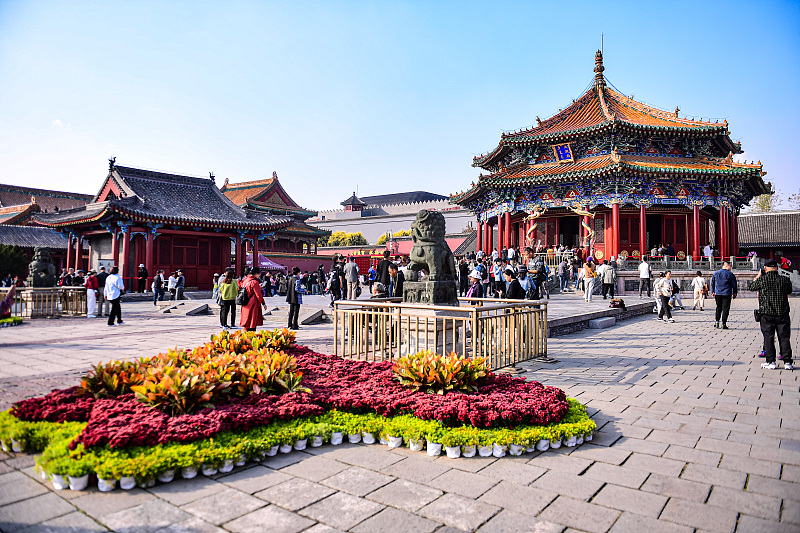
<point>674,230</point>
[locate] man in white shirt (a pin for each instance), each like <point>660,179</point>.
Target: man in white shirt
<point>495,255</point>
<point>113,292</point>
<point>644,278</point>
<point>708,251</point>
<point>511,254</point>
<point>479,255</point>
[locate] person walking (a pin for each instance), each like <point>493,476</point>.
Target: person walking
<point>563,274</point>
<point>773,313</point>
<point>114,290</point>
<point>608,279</point>
<point>463,279</point>
<point>644,277</point>
<point>215,287</point>
<point>589,276</point>
<point>525,282</point>
<point>351,272</point>
<point>252,315</point>
<point>91,294</point>
<point>382,272</point>
<point>141,276</point>
<point>295,297</point>
<point>228,290</point>
<point>663,291</point>
<point>180,285</point>
<point>723,289</point>
<point>699,289</point>
<point>158,286</point>
<point>475,286</point>
<point>499,283</point>
<point>676,294</point>
<point>103,306</point>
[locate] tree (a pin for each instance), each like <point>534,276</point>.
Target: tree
<point>337,238</point>
<point>382,239</point>
<point>766,202</point>
<point>401,233</point>
<point>794,200</point>
<point>355,239</point>
<point>13,261</point>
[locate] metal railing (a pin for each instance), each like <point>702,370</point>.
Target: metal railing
<point>49,302</point>
<point>506,332</point>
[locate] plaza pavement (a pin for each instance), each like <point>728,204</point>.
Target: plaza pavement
<point>694,436</point>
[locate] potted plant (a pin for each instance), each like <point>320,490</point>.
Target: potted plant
<point>556,437</point>
<point>451,441</point>
<point>434,447</point>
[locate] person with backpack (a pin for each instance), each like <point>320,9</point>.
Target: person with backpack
<point>663,290</point>
<point>589,276</point>
<point>228,289</point>
<point>699,288</point>
<point>158,286</point>
<point>295,297</point>
<point>251,301</point>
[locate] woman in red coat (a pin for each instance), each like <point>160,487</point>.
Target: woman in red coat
<point>251,315</point>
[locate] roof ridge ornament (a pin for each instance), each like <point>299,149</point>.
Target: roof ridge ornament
<point>599,80</point>
<point>112,163</point>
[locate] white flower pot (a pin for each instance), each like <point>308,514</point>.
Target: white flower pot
<point>468,450</point>
<point>555,444</point>
<point>59,482</point>
<point>580,439</point>
<point>3,445</point>
<point>316,442</point>
<point>336,438</point>
<point>285,448</point>
<point>453,452</point>
<point>78,483</point>
<point>499,450</point>
<point>434,448</point>
<point>189,472</point>
<point>226,467</point>
<point>127,482</point>
<point>106,485</point>
<point>260,456</point>
<point>241,461</point>
<point>368,438</point>
<point>570,442</point>
<point>354,439</point>
<point>147,483</point>
<point>543,445</point>
<point>485,451</point>
<point>516,450</point>
<point>587,437</point>
<point>17,446</point>
<point>383,441</point>
<point>209,470</point>
<point>395,442</point>
<point>415,445</point>
<point>166,476</point>
<point>530,449</point>
<point>301,444</point>
<point>43,474</point>
<point>272,452</point>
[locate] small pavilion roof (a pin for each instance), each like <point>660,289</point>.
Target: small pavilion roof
<point>354,200</point>
<point>147,195</point>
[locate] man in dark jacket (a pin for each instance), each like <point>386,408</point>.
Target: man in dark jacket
<point>773,307</point>
<point>180,286</point>
<point>723,289</point>
<point>383,269</point>
<point>294,298</point>
<point>141,275</point>
<point>463,273</point>
<point>396,280</point>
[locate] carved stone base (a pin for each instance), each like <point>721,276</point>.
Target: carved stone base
<point>431,292</point>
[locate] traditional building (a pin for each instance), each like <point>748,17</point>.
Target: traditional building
<point>19,204</point>
<point>616,176</point>
<point>774,235</point>
<point>166,221</point>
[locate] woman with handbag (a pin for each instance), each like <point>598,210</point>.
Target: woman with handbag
<point>228,289</point>
<point>251,301</point>
<point>700,289</point>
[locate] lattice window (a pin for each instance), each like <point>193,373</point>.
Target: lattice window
<point>599,230</point>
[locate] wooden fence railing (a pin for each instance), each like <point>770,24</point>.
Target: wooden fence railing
<point>50,302</point>
<point>506,332</point>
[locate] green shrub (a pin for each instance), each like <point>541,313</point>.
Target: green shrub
<point>429,372</point>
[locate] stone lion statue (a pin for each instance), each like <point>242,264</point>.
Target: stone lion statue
<point>430,252</point>
<point>42,270</point>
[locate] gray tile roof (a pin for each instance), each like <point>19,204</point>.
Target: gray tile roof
<point>152,195</point>
<point>32,236</point>
<point>47,199</point>
<point>401,198</point>
<point>470,244</point>
<point>775,228</point>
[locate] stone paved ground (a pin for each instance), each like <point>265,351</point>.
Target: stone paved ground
<point>694,436</point>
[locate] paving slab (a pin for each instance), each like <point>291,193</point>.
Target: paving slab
<point>24,513</point>
<point>223,506</point>
<point>521,499</point>
<point>506,521</point>
<point>457,511</point>
<point>396,521</point>
<point>270,519</point>
<point>580,515</point>
<point>405,495</point>
<point>295,493</point>
<point>145,518</point>
<point>342,511</point>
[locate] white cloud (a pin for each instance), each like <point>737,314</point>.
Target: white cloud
<point>58,124</point>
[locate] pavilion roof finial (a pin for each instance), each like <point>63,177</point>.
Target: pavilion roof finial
<point>598,69</point>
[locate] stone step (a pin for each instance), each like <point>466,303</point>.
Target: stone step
<point>602,323</point>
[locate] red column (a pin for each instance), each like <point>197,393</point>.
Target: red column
<point>696,232</point>
<point>148,255</point>
<point>124,265</point>
<point>70,259</point>
<point>78,252</point>
<point>239,255</point>
<point>507,230</point>
<point>480,235</point>
<point>615,230</point>
<point>723,232</point>
<point>734,235</point>
<point>255,250</point>
<point>642,231</point>
<point>500,232</point>
<point>115,247</point>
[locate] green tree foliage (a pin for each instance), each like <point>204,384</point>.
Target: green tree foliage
<point>340,238</point>
<point>766,202</point>
<point>355,239</point>
<point>14,261</point>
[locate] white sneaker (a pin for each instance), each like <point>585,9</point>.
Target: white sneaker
<point>659,319</point>
<point>671,320</point>
<point>788,366</point>
<point>768,366</point>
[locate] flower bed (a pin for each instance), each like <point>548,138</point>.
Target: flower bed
<point>133,419</point>
<point>10,321</point>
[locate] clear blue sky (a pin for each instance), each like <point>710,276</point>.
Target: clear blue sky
<point>383,96</point>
